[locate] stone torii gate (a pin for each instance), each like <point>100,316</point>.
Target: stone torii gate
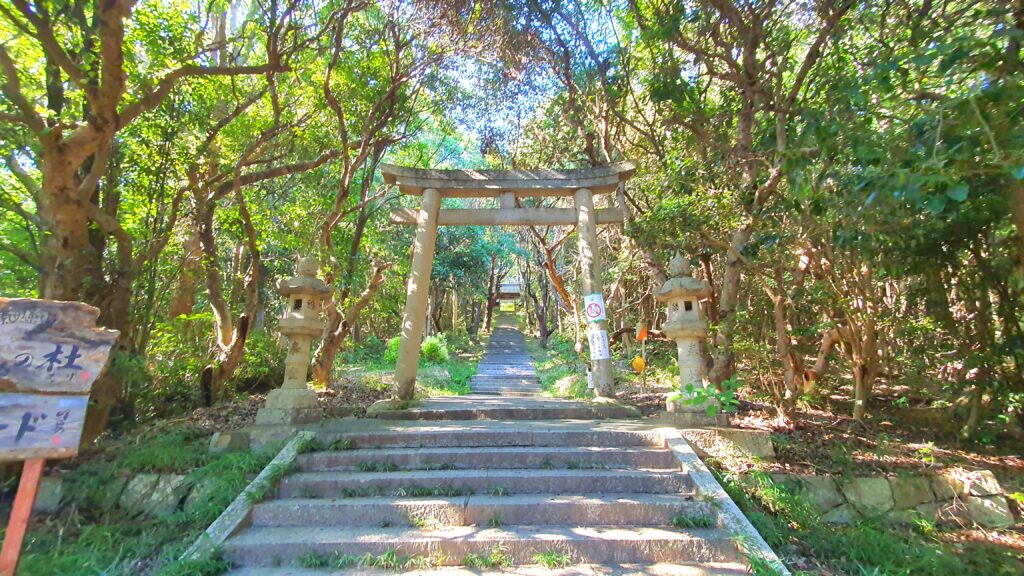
<point>506,186</point>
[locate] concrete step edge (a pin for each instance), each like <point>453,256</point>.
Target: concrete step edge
<point>485,510</point>
<point>267,545</point>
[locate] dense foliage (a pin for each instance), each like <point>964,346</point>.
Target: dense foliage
<point>849,177</point>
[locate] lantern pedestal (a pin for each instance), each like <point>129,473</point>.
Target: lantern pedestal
<point>289,407</point>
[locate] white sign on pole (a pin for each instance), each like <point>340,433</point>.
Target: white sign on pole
<point>593,307</point>
<point>599,345</point>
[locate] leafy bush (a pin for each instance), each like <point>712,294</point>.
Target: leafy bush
<point>434,350</point>
<point>177,353</point>
<point>370,351</point>
<point>391,353</point>
<point>262,368</point>
<point>457,339</point>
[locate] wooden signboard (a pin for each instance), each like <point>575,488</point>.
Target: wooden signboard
<point>50,355</point>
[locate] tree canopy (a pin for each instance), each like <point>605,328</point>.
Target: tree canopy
<point>848,176</point>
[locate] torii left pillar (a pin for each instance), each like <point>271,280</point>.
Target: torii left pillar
<point>414,316</point>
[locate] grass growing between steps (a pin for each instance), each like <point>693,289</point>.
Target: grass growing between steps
<point>810,546</point>
<point>90,536</point>
<point>389,560</point>
<point>497,557</point>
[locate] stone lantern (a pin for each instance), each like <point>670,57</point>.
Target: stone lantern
<point>293,402</point>
<point>687,326</point>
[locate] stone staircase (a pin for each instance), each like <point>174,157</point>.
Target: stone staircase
<point>487,493</point>
<point>506,368</point>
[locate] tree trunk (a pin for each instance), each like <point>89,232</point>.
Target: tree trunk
<point>323,363</point>
<point>183,300</point>
<point>723,362</point>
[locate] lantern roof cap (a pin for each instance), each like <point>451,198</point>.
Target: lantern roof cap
<point>304,281</point>
<point>682,284</point>
<point>683,287</point>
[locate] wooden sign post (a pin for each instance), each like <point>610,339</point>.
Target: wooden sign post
<point>50,355</point>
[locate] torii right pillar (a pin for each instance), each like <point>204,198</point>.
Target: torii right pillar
<point>590,262</point>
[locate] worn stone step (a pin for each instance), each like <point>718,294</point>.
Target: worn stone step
<point>493,434</point>
<point>494,407</point>
<point>524,380</point>
<point>663,569</point>
<point>469,438</point>
<point>486,375</point>
<point>513,482</point>
<point>520,379</point>
<point>270,546</point>
<point>513,457</point>
<point>505,372</point>
<point>529,510</point>
<point>513,385</point>
<point>509,392</point>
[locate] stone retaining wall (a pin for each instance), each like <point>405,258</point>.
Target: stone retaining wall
<point>954,496</point>
<point>150,495</point>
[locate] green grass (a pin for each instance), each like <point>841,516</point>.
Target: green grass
<point>863,548</point>
<point>556,363</point>
<point>91,536</point>
<point>336,445</point>
<point>428,491</point>
<point>314,560</point>
<point>552,559</point>
<point>260,491</point>
<point>500,491</point>
<point>377,467</point>
<point>683,521</point>
<point>420,522</point>
<point>497,557</point>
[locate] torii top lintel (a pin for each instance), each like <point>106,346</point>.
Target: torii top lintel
<point>488,183</point>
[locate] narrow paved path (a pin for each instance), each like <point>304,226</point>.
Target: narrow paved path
<point>506,368</point>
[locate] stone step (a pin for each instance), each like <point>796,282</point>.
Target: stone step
<point>453,482</point>
<point>509,392</point>
<point>514,457</point>
<point>511,372</point>
<point>512,380</point>
<point>471,411</point>
<point>272,546</point>
<point>664,569</point>
<point>510,383</point>
<point>485,435</point>
<point>529,510</point>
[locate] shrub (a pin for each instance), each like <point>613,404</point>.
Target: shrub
<point>434,350</point>
<point>370,351</point>
<point>391,353</point>
<point>263,365</point>
<point>457,339</point>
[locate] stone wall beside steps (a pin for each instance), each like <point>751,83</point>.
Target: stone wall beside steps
<point>951,496</point>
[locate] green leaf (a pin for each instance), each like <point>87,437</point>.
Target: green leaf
<point>958,192</point>
<point>937,204</point>
<point>923,59</point>
<point>1017,172</point>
